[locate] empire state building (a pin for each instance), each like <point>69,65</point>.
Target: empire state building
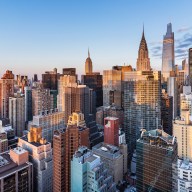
<point>143,61</point>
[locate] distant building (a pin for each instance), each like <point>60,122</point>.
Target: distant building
<point>190,66</point>
<point>112,88</point>
<point>17,113</point>
<point>6,91</point>
<point>65,143</point>
<point>110,111</point>
<point>111,131</point>
<point>41,157</point>
<point>89,174</point>
<point>156,154</point>
<point>3,142</point>
<point>182,130</point>
<point>49,121</point>
<point>16,171</point>
<point>49,79</point>
<point>167,113</point>
<point>73,97</point>
<point>94,135</point>
<point>88,65</point>
<point>6,128</point>
<point>168,55</point>
<point>113,159</point>
<point>28,104</point>
<point>186,99</point>
<point>41,100</point>
<point>94,81</point>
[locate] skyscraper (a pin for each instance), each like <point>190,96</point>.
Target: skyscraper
<point>28,104</point>
<point>167,113</point>
<point>190,66</point>
<point>168,55</point>
<point>50,79</point>
<point>156,153</point>
<point>88,65</point>
<point>6,91</point>
<point>73,97</point>
<point>143,61</point>
<point>94,81</point>
<point>172,91</point>
<point>112,87</point>
<point>142,104</point>
<point>65,143</point>
<point>41,100</point>
<point>17,113</point>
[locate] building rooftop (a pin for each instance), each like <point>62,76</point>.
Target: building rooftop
<point>157,137</point>
<point>106,150</point>
<point>7,166</point>
<point>111,118</point>
<point>184,164</point>
<point>19,150</point>
<point>36,144</point>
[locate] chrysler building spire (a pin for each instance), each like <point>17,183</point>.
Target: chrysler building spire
<point>143,61</point>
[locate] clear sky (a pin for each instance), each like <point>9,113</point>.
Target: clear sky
<point>39,35</point>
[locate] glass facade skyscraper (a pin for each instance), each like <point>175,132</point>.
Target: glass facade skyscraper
<point>168,56</point>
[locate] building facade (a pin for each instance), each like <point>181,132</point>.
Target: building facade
<point>41,100</point>
<point>6,91</point>
<point>111,131</point>
<point>113,159</point>
<point>142,104</point>
<point>49,121</point>
<point>16,172</point>
<point>41,157</point>
<point>168,56</point>
<point>17,113</point>
<point>167,113</point>
<point>65,143</point>
<point>89,174</point>
<point>156,153</point>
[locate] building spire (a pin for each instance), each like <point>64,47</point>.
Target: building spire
<point>88,53</point>
<point>143,35</point>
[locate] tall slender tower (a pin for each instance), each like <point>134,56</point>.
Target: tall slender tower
<point>190,66</point>
<point>143,61</point>
<point>168,57</point>
<point>88,65</point>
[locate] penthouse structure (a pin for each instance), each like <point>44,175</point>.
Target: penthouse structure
<point>16,172</point>
<point>88,173</point>
<point>41,157</point>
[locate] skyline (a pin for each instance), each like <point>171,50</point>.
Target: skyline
<point>37,36</point>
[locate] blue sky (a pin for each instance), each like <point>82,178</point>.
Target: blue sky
<point>38,35</point>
